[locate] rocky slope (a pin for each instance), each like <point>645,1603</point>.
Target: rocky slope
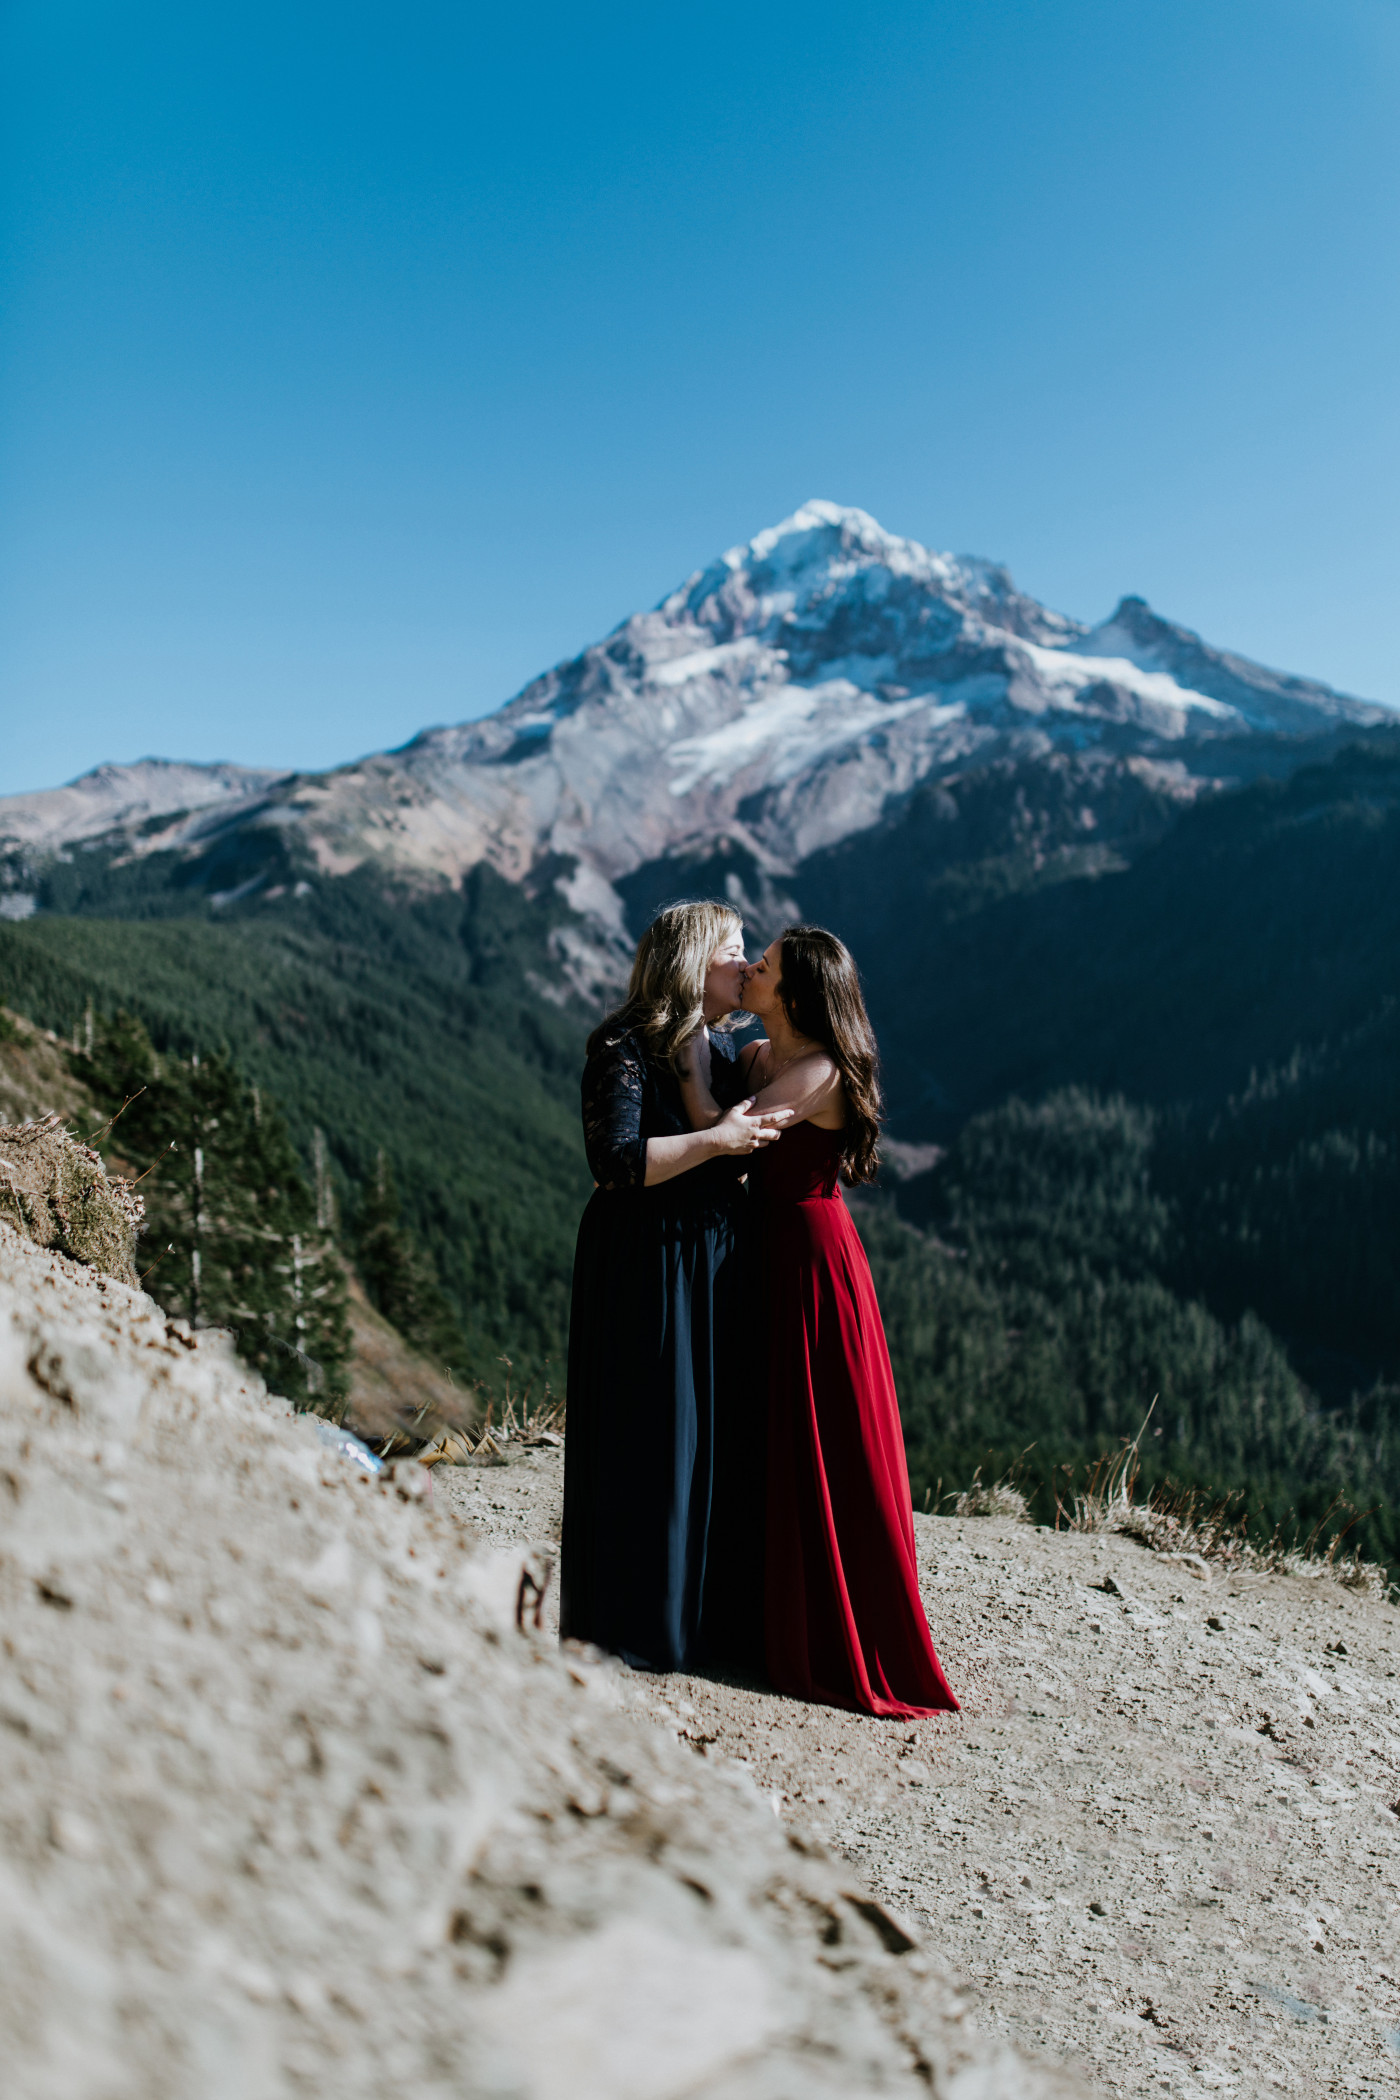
<point>786,698</point>
<point>130,796</point>
<point>290,1806</point>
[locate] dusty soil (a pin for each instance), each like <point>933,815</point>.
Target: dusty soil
<point>292,1805</point>
<point>1160,1844</point>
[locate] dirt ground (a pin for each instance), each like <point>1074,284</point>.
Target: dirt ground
<point>1160,1845</point>
<point>296,1802</point>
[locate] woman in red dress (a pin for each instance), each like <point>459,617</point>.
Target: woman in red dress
<point>844,1621</point>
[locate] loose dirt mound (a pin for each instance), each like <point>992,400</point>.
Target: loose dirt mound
<point>291,1808</point>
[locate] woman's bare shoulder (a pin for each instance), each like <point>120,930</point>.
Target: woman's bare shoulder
<point>816,1064</point>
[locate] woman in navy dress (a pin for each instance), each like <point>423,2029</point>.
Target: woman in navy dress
<point>653,1566</point>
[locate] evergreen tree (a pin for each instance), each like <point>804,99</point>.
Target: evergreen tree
<point>230,1211</point>
<point>399,1276</point>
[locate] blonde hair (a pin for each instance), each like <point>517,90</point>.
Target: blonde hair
<point>665,1002</point>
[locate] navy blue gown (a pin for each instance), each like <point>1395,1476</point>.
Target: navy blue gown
<point>663,1461</point>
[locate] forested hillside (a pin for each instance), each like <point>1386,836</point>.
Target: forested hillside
<point>1242,980</point>
<point>1253,925</point>
<point>1202,1198</point>
<point>1054,1303</point>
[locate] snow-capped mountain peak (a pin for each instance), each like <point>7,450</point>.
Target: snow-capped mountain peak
<point>1262,700</point>
<point>794,574</point>
<point>791,694</point>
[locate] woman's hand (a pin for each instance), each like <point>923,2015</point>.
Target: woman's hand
<point>739,1131</point>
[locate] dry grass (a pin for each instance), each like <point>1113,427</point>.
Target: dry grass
<point>1005,1497</point>
<point>1191,1525</point>
<point>54,1189</point>
<point>529,1425</point>
<point>992,1498</point>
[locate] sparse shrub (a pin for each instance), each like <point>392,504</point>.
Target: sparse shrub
<point>1190,1524</point>
<point>55,1190</point>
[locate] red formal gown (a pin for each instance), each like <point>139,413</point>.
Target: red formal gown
<point>844,1622</point>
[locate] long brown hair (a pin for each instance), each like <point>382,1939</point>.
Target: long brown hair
<point>665,1002</point>
<point>820,990</point>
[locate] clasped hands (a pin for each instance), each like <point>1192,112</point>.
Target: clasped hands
<point>736,1130</point>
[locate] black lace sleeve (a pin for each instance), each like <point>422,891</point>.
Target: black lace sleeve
<point>613,1084</point>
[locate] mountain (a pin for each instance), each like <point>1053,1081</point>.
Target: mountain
<point>137,798</point>
<point>787,698</point>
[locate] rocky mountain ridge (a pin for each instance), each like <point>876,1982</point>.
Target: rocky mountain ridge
<point>788,697</point>
<point>130,796</point>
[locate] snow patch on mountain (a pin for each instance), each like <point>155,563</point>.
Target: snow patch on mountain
<point>1065,674</point>
<point>795,726</point>
<point>702,663</point>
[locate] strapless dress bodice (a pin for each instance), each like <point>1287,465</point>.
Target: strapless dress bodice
<point>803,1167</point>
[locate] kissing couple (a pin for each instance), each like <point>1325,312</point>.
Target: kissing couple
<point>736,1496</point>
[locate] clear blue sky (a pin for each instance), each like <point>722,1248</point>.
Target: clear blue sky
<point>361,360</point>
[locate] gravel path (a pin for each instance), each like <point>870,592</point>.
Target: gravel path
<point>1159,1843</point>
